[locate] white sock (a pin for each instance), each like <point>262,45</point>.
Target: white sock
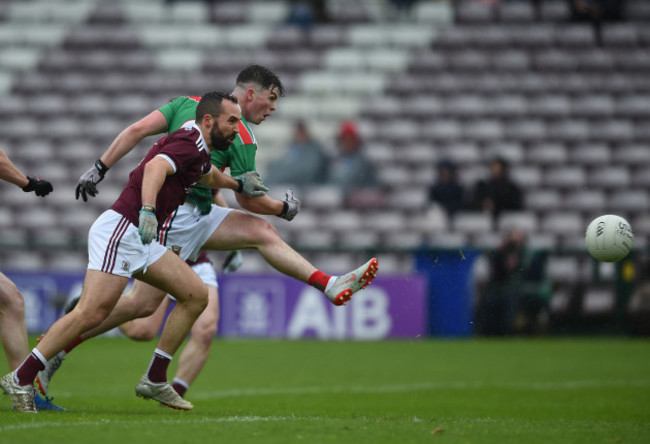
<point>181,382</point>
<point>39,356</point>
<point>159,352</point>
<point>330,283</point>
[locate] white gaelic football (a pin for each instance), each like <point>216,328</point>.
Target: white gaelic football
<point>609,238</point>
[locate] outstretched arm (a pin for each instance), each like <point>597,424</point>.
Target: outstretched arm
<point>217,179</point>
<point>260,205</point>
<point>154,123</point>
<point>249,184</point>
<point>10,172</point>
<point>286,209</point>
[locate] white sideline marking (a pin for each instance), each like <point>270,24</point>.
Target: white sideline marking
<point>162,421</point>
<point>413,387</point>
<point>398,388</point>
<point>401,388</point>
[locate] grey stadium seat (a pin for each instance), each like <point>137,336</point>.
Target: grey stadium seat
<point>610,177</point>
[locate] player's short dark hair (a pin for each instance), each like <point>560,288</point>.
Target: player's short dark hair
<point>210,103</point>
<point>262,76</point>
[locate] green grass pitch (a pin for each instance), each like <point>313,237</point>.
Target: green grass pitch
<point>584,390</point>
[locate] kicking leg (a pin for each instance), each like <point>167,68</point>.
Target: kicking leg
<point>241,230</point>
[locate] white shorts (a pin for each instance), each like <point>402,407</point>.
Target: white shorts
<point>114,246</point>
<point>206,272</point>
<point>186,230</point>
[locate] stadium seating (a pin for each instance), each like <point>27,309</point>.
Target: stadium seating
<point>463,80</point>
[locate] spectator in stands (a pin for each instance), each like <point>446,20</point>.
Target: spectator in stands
<point>304,163</point>
<point>517,294</point>
<point>447,191</point>
<point>638,305</point>
<point>304,13</point>
<point>350,169</point>
<point>403,8</point>
<point>498,193</point>
<point>596,12</point>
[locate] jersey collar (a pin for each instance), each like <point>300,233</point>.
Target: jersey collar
<point>201,143</point>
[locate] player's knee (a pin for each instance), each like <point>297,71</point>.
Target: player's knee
<point>11,300</point>
<point>195,301</point>
<point>204,334</point>
<point>268,229</point>
<point>201,302</point>
<point>205,328</point>
<point>199,298</point>
<point>264,233</point>
<point>146,309</point>
<point>89,318</point>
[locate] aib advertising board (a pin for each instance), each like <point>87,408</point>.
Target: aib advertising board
<point>269,306</point>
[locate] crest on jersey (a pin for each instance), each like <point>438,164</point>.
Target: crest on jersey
<point>126,265</point>
<point>176,249</point>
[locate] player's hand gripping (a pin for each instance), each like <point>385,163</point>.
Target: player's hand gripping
<point>39,186</point>
<point>234,260</point>
<point>147,224</point>
<point>250,184</point>
<point>291,206</point>
<point>88,181</point>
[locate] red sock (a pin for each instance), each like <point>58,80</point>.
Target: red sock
<point>73,344</point>
<point>158,367</point>
<point>27,371</point>
<point>180,388</point>
<point>319,280</point>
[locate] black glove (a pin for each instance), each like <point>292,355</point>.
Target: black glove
<point>88,181</point>
<point>39,186</point>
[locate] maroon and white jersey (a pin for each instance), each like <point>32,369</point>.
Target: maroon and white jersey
<point>188,153</point>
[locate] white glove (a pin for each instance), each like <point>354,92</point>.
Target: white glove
<point>88,181</point>
<point>232,263</point>
<point>291,206</point>
<point>250,184</point>
<point>147,224</point>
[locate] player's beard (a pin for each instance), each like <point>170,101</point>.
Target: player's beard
<point>219,141</point>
